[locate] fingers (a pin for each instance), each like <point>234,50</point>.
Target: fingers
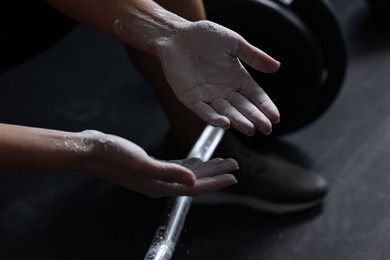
<point>237,111</point>
<point>187,162</point>
<point>261,61</point>
<point>191,169</point>
<point>246,116</point>
<point>209,115</point>
<point>261,100</point>
<point>172,172</point>
<point>210,176</point>
<point>237,120</point>
<point>208,184</point>
<point>209,168</point>
<point>252,113</point>
<point>256,58</point>
<point>214,167</point>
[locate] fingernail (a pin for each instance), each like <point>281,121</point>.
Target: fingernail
<point>269,132</point>
<point>250,133</point>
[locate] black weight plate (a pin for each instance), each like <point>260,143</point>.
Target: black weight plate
<point>278,32</point>
<point>320,18</point>
<point>381,10</point>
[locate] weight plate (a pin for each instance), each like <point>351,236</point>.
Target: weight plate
<point>323,23</point>
<point>280,33</point>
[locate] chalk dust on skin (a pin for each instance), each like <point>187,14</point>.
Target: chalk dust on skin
<point>85,143</point>
<point>73,145</point>
<point>146,28</point>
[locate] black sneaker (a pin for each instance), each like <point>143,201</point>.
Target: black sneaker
<point>267,180</point>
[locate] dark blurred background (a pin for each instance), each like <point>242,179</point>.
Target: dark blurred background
<point>86,81</point>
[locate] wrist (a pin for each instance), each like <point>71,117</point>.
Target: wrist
<point>91,142</point>
<point>148,29</point>
<point>97,147</point>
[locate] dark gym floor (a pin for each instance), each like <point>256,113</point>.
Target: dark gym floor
<point>87,82</point>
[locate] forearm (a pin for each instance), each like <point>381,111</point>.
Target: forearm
<point>27,149</point>
<point>185,124</point>
<point>142,24</point>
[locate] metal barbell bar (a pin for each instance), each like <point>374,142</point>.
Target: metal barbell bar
<point>168,233</point>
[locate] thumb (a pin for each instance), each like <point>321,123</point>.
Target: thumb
<point>255,57</point>
<point>171,172</point>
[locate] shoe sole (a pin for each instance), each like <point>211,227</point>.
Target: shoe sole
<point>253,203</point>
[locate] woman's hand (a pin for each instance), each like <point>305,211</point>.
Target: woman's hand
<point>202,65</point>
<point>123,162</point>
<point>201,60</point>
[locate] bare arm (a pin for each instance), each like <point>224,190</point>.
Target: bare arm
<point>201,60</point>
<point>35,149</point>
<point>138,23</point>
<point>27,149</point>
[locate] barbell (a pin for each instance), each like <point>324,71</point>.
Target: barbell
<point>305,36</point>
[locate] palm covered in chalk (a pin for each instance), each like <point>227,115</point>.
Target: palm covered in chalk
<point>202,65</point>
